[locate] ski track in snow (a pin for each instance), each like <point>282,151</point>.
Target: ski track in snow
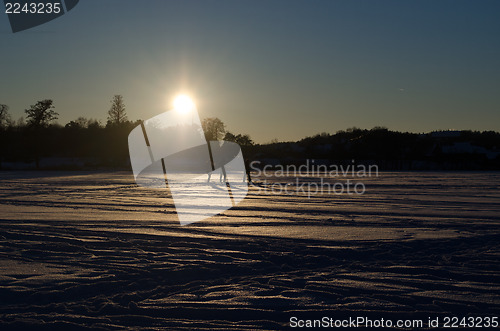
<point>93,250</point>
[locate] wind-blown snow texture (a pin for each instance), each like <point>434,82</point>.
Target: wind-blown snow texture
<point>86,250</point>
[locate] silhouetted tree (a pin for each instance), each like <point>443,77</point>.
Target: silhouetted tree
<point>240,139</point>
<point>4,116</point>
<point>4,121</point>
<point>244,140</point>
<point>213,128</point>
<point>117,114</point>
<point>83,123</point>
<point>117,129</point>
<point>41,114</point>
<point>230,137</point>
<point>20,123</point>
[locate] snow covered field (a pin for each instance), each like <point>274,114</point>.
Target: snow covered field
<point>93,250</point>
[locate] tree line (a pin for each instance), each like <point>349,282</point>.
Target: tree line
<point>96,145</point>
<point>391,150</point>
<point>38,136</point>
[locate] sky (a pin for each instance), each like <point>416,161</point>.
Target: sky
<point>272,69</point>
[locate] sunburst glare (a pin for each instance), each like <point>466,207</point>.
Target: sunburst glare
<point>183,104</point>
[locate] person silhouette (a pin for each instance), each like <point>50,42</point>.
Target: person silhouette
<point>247,170</point>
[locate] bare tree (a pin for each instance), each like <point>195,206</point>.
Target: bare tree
<point>41,114</point>
<point>214,128</point>
<point>4,121</point>
<point>4,116</point>
<point>117,114</point>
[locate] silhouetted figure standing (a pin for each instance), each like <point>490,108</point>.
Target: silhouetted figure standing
<point>247,169</point>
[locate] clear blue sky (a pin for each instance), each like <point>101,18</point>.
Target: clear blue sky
<point>272,69</point>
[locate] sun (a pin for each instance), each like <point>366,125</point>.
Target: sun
<point>183,104</point>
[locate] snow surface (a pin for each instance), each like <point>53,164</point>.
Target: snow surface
<point>93,250</point>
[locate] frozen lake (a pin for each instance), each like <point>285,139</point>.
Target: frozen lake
<point>94,249</point>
